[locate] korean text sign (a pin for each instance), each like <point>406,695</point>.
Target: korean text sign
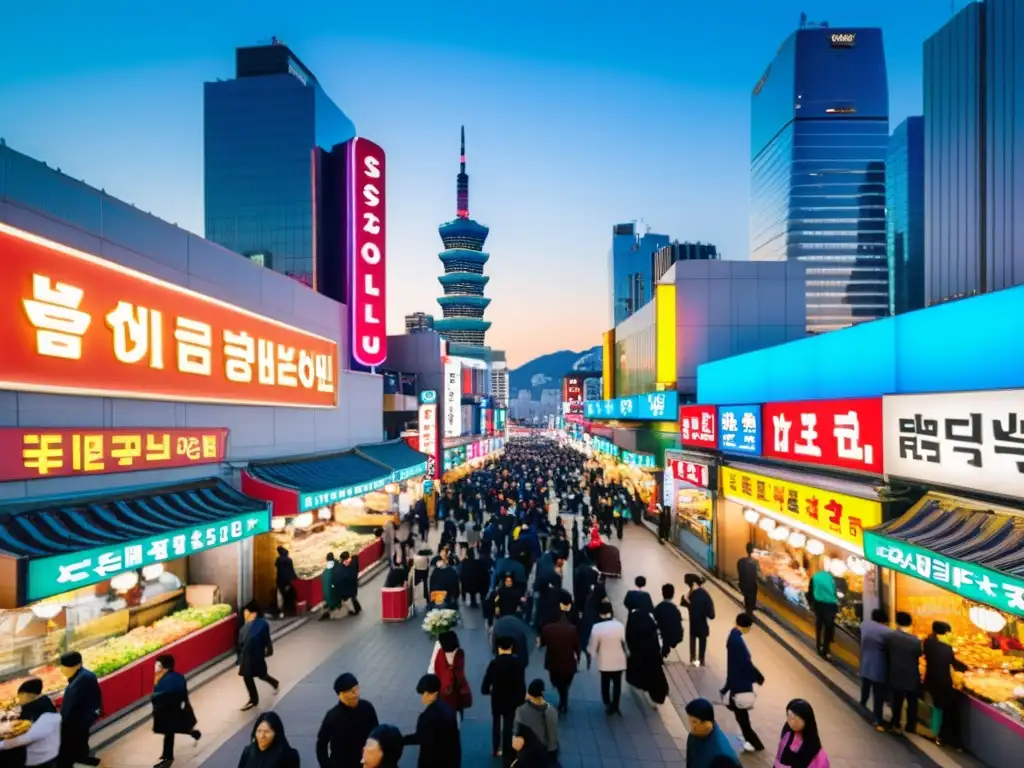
<point>48,576</point>
<point>690,472</point>
<point>698,426</point>
<point>82,325</point>
<point>28,454</point>
<point>840,516</point>
<point>969,580</point>
<point>633,459</point>
<point>317,499</point>
<point>970,440</point>
<point>428,432</point>
<point>652,406</point>
<point>834,433</point>
<point>739,429</point>
<point>452,399</point>
<point>367,252</point>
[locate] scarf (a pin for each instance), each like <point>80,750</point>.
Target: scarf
<point>269,758</point>
<point>37,708</point>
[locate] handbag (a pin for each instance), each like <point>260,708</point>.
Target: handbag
<point>744,700</point>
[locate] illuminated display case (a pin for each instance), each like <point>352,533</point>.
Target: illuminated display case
<point>309,537</point>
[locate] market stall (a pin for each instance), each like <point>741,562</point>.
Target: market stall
<point>468,456</point>
<point>122,579</point>
<point>797,530</point>
<point>962,562</point>
<point>690,482</point>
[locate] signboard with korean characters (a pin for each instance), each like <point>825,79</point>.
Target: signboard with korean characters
<point>697,426</point>
<point>605,446</point>
<point>846,434</point>
<point>739,429</point>
<point>835,517</point>
<point>969,580</point>
<point>652,406</point>
<point>49,576</point>
<point>968,440</point>
<point>428,429</point>
<point>82,325</point>
<point>692,472</point>
<point>452,399</point>
<point>637,459</point>
<point>317,499</point>
<point>33,453</point>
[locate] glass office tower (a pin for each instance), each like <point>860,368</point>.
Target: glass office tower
<point>904,220</point>
<point>819,136</point>
<point>631,272</point>
<point>259,132</point>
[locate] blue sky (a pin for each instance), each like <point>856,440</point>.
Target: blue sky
<point>578,115</point>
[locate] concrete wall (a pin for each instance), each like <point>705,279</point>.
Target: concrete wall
<point>727,308</point>
<point>41,200</point>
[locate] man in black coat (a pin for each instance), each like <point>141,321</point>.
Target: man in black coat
<point>254,647</point>
<point>639,599</point>
<point>903,651</point>
<point>348,582</point>
<point>670,620</point>
<point>81,707</point>
<point>437,728</point>
<point>505,682</point>
<point>345,727</point>
<point>746,570</point>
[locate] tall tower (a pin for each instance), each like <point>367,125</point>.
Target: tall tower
<point>463,257</point>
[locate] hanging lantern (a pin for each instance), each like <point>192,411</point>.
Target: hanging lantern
<point>815,547</point>
<point>986,619</point>
<point>767,524</point>
<point>751,516</point>
<point>303,521</point>
<point>837,568</point>
<point>277,524</point>
<point>46,611</point>
<point>124,582</point>
<point>152,572</point>
<point>797,540</point>
<point>781,533</point>
<point>324,513</point>
<point>857,565</point>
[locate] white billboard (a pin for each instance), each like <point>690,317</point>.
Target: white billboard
<point>452,398</point>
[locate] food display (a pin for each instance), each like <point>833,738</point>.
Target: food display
<point>111,655</point>
<point>693,514</point>
<point>309,548</point>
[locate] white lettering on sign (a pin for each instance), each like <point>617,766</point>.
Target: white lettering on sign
<point>367,299</point>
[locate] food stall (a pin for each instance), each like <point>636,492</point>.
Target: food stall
<point>962,562</point>
<point>465,456</point>
<point>122,579</point>
<point>690,482</point>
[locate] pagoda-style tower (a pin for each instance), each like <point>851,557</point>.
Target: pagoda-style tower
<point>463,281</point>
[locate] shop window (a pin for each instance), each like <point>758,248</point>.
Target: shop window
<point>694,520</point>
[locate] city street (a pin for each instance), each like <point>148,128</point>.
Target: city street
<point>388,659</point>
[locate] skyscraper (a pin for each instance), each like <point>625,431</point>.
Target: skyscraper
<point>819,136</point>
<point>259,132</point>
<point>669,254</point>
<point>974,152</point>
<point>463,257</point>
<point>631,269</point>
<point>419,321</point>
<point>904,216</point>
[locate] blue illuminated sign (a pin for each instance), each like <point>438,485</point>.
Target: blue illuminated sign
<point>739,429</point>
<point>645,460</point>
<point>653,406</point>
<point>601,445</point>
<point>428,396</point>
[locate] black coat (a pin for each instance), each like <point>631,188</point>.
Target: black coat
<point>903,652</point>
<point>746,569</point>
<point>254,647</point>
<point>505,682</point>
<point>437,734</point>
<point>474,577</point>
<point>346,579</point>
<point>445,579</point>
<point>644,668</point>
<point>83,700</point>
<point>638,600</point>
<point>670,623</point>
<point>702,611</point>
<point>940,661</point>
<point>287,758</point>
<point>172,712</point>
<point>342,734</point>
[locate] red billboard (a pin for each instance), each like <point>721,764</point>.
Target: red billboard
<point>689,472</point>
<point>572,389</point>
<point>698,426</point>
<point>846,434</point>
<point>367,252</point>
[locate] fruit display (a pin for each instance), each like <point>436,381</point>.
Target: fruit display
<point>308,549</point>
<point>11,728</point>
<point>117,652</point>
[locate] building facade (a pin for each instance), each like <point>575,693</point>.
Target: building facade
<point>259,173</point>
<point>904,216</point>
<point>463,303</point>
<point>668,255</point>
<point>499,379</point>
<point>631,269</point>
<point>819,136</point>
<point>419,321</point>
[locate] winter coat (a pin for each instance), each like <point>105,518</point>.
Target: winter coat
<point>255,646</point>
<point>940,661</point>
<point>505,682</point>
<point>342,734</point>
<point>741,675</point>
<point>455,690</point>
<point>607,645</point>
<point>347,584</point>
<point>328,581</point>
<point>562,641</point>
<point>172,712</point>
<point>702,611</point>
<point>670,623</point>
<point>903,652</point>
<point>644,668</point>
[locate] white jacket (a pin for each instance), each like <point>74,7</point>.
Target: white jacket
<point>608,645</point>
<point>41,741</point>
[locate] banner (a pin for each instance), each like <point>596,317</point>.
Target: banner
<point>452,399</point>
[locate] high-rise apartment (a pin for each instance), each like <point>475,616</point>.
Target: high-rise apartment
<point>974,152</point>
<point>631,269</point>
<point>675,251</point>
<point>419,321</point>
<point>904,219</point>
<point>259,133</point>
<point>819,137</point>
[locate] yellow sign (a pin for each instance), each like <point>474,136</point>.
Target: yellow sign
<point>844,517</point>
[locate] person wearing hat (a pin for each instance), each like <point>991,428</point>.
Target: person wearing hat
<point>80,708</point>
<point>383,747</point>
<point>437,728</point>
<point>536,715</point>
<point>40,745</point>
<point>345,727</point>
<point>707,745</point>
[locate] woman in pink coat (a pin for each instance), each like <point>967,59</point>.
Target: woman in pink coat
<point>800,745</point>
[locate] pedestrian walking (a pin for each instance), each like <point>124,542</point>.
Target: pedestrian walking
<point>255,647</point>
<point>383,748</point>
<point>800,745</point>
<point>825,604</point>
<point>421,569</point>
<point>268,747</point>
<point>437,728</point>
<point>741,677</point>
<point>172,710</point>
<point>285,579</point>
<point>645,669</point>
<point>903,651</point>
<point>639,599</point>
<point>536,715</point>
<point>707,746</point>
<point>747,571</point>
<point>530,751</point>
<point>80,708</point>
<point>505,682</point>
<point>39,746</point>
<point>348,582</point>
<point>514,628</point>
<point>940,662</point>
<point>473,578</point>
<point>346,726</point>
<point>701,609</point>
<point>329,580</point>
<point>561,639</point>
<point>608,646</point>
<point>670,620</point>
<point>873,665</point>
<point>450,667</point>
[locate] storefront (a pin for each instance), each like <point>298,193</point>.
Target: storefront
<point>688,495</point>
<point>461,460</point>
<point>122,578</point>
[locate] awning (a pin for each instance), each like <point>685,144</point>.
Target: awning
<point>73,542</point>
<point>966,547</point>
<point>317,482</point>
<point>398,456</point>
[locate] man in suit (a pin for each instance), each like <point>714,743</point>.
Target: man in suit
<point>81,707</point>
<point>505,683</point>
<point>437,728</point>
<point>746,570</point>
<point>254,646</point>
<point>903,650</point>
<point>873,663</point>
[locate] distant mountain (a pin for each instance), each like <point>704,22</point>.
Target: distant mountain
<point>547,371</point>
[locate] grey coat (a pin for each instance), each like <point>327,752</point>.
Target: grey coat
<point>873,658</point>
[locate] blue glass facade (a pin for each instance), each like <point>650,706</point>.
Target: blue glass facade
<point>819,136</point>
<point>631,269</point>
<point>904,219</point>
<point>260,130</point>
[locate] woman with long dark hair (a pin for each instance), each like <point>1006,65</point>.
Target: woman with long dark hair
<point>800,744</point>
<point>269,747</point>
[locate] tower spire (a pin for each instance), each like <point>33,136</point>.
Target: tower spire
<point>462,181</point>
